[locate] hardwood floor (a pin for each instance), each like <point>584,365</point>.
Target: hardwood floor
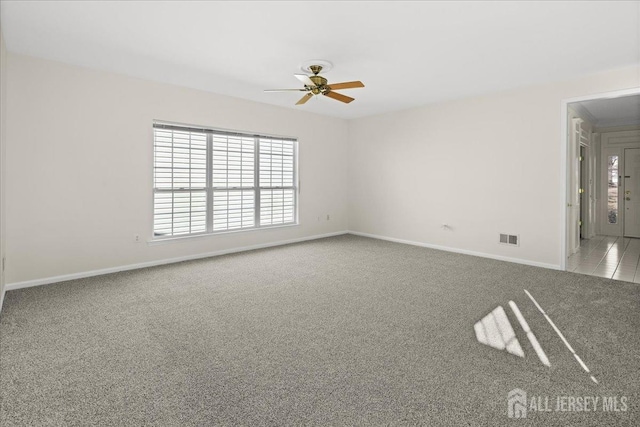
<point>608,256</point>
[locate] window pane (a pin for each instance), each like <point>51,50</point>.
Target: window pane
<point>276,163</point>
<point>179,212</point>
<point>180,159</point>
<point>277,206</point>
<point>233,161</point>
<point>180,167</point>
<point>612,189</point>
<point>233,209</point>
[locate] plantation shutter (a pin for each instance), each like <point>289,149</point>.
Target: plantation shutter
<point>210,181</point>
<point>277,191</point>
<point>233,169</point>
<point>180,173</point>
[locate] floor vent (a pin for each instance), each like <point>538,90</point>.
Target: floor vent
<point>510,239</point>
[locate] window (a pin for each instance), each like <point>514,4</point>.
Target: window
<point>612,190</point>
<point>208,181</point>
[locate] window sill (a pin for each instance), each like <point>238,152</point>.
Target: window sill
<point>161,241</point>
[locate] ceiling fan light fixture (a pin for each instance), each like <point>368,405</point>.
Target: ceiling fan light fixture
<point>315,84</point>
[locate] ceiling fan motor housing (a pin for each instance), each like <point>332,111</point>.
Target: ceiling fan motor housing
<point>320,83</point>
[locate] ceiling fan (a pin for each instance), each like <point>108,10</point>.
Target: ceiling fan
<point>317,85</point>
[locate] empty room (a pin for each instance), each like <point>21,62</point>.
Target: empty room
<point>319,213</point>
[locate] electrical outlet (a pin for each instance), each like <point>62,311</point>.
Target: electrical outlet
<point>136,238</point>
<point>328,217</point>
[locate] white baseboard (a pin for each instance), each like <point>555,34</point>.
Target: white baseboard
<point>81,275</point>
<point>2,297</point>
<point>459,251</point>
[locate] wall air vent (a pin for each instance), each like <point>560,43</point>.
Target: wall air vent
<point>510,239</point>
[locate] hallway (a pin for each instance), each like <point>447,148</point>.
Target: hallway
<point>608,256</point>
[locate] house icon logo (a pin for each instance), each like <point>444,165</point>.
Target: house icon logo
<point>517,403</point>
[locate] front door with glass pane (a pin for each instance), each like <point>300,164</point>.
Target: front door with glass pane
<point>631,197</point>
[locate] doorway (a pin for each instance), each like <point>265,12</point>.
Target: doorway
<point>601,134</point>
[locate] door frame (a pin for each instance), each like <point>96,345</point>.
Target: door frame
<point>565,169</point>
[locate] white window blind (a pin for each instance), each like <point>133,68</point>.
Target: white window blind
<point>180,175</point>
<point>233,169</point>
<point>277,190</point>
<point>208,181</point>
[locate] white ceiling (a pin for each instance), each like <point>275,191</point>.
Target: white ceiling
<point>407,53</point>
<point>604,113</point>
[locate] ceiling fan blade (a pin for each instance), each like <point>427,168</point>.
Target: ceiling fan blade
<point>304,99</point>
<point>305,79</point>
<point>345,85</point>
<point>285,90</point>
<point>339,97</point>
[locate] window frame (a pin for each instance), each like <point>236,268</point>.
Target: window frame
<point>209,188</point>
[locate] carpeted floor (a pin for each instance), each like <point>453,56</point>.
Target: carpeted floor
<point>338,331</point>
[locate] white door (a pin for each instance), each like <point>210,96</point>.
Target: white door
<point>611,199</point>
<point>631,197</point>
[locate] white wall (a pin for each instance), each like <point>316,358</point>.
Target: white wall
<point>79,180</point>
<point>484,166</point>
<point>3,128</point>
<point>78,186</point>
